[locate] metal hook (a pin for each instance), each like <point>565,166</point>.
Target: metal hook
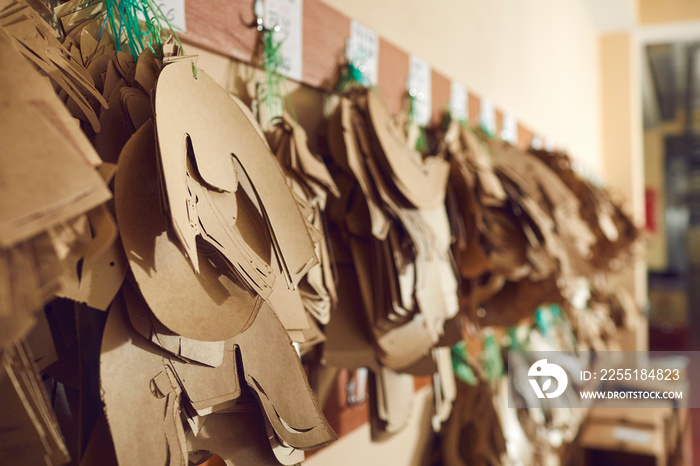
<point>258,22</point>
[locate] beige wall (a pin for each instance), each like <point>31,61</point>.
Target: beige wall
<point>621,120</point>
<point>406,448</point>
<point>536,59</point>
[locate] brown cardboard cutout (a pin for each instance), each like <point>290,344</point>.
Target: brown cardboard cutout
<point>33,118</point>
<point>29,432</point>
<point>138,394</point>
<point>422,182</point>
<point>240,438</point>
<point>274,373</point>
<point>210,353</point>
<point>223,306</point>
<point>200,111</point>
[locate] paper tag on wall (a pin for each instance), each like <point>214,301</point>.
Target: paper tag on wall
<point>549,145</point>
<point>419,80</point>
<point>287,15</point>
<point>487,118</point>
<point>459,109</point>
<point>510,129</point>
<point>536,142</point>
<point>174,12</point>
<point>363,50</point>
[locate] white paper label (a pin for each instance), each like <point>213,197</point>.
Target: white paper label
<point>536,142</point>
<point>419,81</point>
<point>625,434</point>
<point>487,119</point>
<point>287,15</point>
<point>459,102</point>
<point>174,12</point>
<point>549,145</point>
<point>510,129</point>
<point>363,51</point>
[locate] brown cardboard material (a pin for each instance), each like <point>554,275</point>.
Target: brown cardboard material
<point>444,387</point>
<point>224,306</point>
<point>393,395</point>
<point>69,186</point>
<point>473,434</point>
<point>422,182</point>
<point>210,353</point>
<point>41,47</point>
<point>238,438</point>
<point>29,275</point>
<point>95,275</point>
<point>29,432</point>
<point>284,394</point>
<point>200,111</point>
<point>138,395</point>
<point>308,178</point>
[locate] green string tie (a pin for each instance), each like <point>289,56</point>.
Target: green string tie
<point>460,366</point>
<point>422,140</point>
<point>140,22</point>
<point>491,358</point>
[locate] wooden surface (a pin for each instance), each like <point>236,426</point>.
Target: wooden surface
<point>220,26</point>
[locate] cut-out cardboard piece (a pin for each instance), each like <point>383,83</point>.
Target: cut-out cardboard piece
<point>346,154</point>
<point>391,404</point>
<point>32,120</point>
<point>517,301</point>
<point>210,353</point>
<point>29,432</point>
<point>29,275</point>
<point>273,371</point>
<point>238,438</point>
<point>100,449</point>
<point>308,163</point>
<point>209,389</point>
<point>286,455</point>
<point>95,275</point>
<point>310,180</point>
<point>473,434</point>
<point>139,395</point>
<point>201,112</point>
<point>224,306</point>
<point>444,387</point>
<point>597,211</point>
<point>38,43</point>
<point>421,181</point>
<point>348,343</point>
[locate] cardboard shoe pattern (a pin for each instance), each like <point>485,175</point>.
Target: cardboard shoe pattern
<point>397,230</point>
<point>311,184</point>
<point>182,307</point>
<point>252,332</point>
<point>45,192</point>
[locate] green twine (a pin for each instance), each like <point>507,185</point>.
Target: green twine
<point>515,344</point>
<point>352,74</point>
<point>487,131</point>
<point>460,366</point>
<point>272,61</point>
<point>124,18</point>
<point>491,359</point>
<point>544,320</point>
<point>422,140</point>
